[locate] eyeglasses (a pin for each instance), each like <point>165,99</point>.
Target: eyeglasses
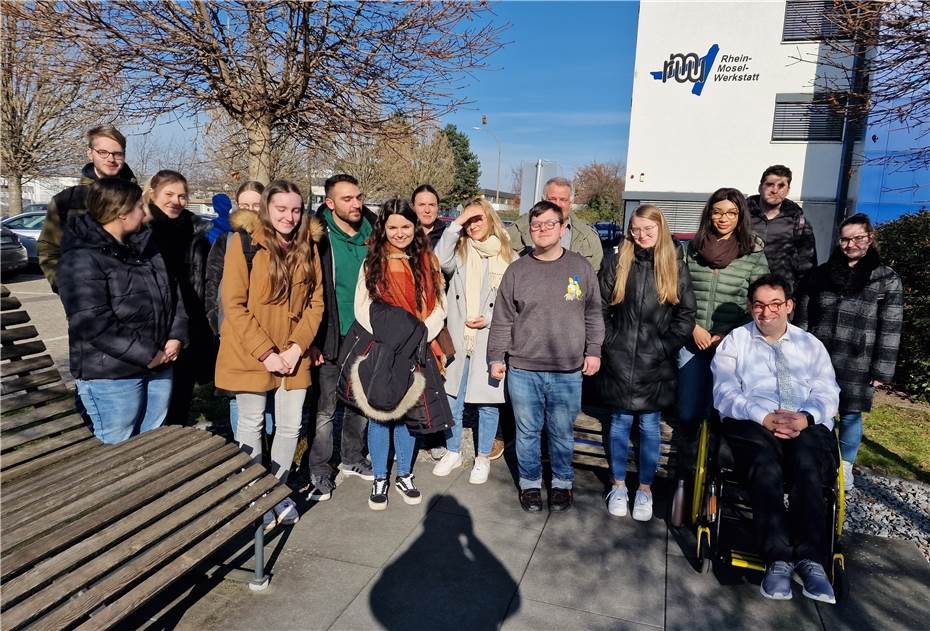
<point>651,230</point>
<point>103,153</point>
<point>774,306</point>
<point>538,226</point>
<point>256,206</point>
<point>729,214</point>
<point>859,239</point>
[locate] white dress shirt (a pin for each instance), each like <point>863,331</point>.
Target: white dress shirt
<point>745,383</point>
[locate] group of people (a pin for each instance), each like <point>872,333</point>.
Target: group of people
<point>402,321</point>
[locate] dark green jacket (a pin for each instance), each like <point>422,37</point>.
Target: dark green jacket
<point>721,293</point>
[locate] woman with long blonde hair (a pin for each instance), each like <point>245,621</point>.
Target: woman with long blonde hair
<point>648,315</point>
<point>475,250</point>
<point>271,315</point>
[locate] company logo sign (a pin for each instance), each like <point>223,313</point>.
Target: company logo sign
<point>695,69</point>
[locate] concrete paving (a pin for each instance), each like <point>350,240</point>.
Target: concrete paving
<point>468,557</point>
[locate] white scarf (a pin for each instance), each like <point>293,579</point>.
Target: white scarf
<point>475,251</point>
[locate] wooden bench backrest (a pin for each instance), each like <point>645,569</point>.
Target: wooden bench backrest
<point>39,424</point>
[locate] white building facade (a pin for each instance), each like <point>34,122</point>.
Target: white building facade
<point>723,90</point>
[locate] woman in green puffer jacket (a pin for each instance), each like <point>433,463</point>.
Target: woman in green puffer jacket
<point>724,257</point>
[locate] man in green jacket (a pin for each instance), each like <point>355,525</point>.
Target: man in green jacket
<point>106,150</point>
<point>579,236</point>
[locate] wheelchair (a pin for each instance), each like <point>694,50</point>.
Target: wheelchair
<point>721,512</point>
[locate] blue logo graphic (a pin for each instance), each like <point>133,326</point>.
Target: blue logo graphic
<point>685,68</point>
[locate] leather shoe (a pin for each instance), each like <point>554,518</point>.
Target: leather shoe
<point>560,500</point>
<point>531,500</point>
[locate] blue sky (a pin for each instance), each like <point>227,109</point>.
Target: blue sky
<point>560,90</point>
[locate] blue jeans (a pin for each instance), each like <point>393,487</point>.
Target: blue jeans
<point>488,416</point>
<point>234,416</point>
<point>621,422</point>
<point>379,447</point>
<point>122,408</point>
<point>695,385</point>
<point>850,435</point>
<point>553,400</point>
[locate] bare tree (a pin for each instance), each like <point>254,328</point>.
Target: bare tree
<point>286,67</point>
<point>602,180</point>
<point>44,105</point>
<point>878,59</point>
<point>399,157</point>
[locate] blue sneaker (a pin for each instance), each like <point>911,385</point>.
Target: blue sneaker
<point>776,584</point>
<point>817,586</point>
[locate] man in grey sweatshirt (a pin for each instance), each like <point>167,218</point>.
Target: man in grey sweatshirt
<point>546,333</point>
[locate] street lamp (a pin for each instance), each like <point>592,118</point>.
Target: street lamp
<point>497,189</point>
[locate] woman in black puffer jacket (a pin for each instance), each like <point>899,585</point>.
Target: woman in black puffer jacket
<point>126,322</point>
<point>648,314</point>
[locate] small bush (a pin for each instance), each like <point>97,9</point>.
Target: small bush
<point>905,245</point>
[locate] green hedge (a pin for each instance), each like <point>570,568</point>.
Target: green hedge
<point>905,246</point>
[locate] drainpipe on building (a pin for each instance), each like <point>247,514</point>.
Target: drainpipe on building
<point>853,111</point>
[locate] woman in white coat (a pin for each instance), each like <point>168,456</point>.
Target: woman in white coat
<point>475,250</point>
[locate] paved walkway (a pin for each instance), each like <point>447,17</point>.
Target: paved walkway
<point>469,558</point>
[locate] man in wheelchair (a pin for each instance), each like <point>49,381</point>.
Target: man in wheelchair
<point>776,392</point>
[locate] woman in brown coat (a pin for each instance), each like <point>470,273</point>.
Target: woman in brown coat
<point>270,318</point>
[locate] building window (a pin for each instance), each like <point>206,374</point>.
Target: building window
<point>808,117</point>
<point>811,20</point>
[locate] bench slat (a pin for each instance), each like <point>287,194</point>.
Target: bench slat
<point>33,520</point>
<point>174,547</point>
<point>21,367</point>
<point>42,447</point>
<point>187,507</point>
<point>76,470</point>
<point>16,351</point>
<point>8,303</point>
<point>12,422</point>
<point>51,460</point>
<point>216,467</point>
<point>18,402</point>
<point>4,292</point>
<point>11,440</point>
<point>12,318</point>
<point>29,382</point>
<point>8,336</point>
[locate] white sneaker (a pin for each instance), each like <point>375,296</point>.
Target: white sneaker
<point>481,470</point>
<point>452,460</point>
<point>642,506</point>
<point>848,478</point>
<point>286,512</point>
<point>617,501</point>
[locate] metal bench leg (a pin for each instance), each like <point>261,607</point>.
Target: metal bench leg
<point>260,582</point>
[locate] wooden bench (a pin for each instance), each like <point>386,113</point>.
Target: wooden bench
<point>90,532</point>
<point>590,439</point>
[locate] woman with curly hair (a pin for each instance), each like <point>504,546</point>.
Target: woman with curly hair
<point>401,271</point>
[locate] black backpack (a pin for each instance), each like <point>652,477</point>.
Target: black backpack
<point>213,302</point>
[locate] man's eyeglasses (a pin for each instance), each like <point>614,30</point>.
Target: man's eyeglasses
<point>103,153</point>
<point>729,214</point>
<point>774,306</point>
<point>537,226</point>
<point>256,206</point>
<point>859,239</point>
<point>651,230</point>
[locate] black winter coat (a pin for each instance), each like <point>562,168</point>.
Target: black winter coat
<point>790,248</point>
<point>185,248</point>
<point>327,337</point>
<point>391,374</point>
<point>639,358</point>
<point>121,303</point>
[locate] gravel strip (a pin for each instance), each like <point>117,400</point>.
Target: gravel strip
<point>890,507</point>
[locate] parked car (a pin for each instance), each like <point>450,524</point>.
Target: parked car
<point>13,257</point>
<point>35,208</point>
<point>28,226</point>
<point>609,232</point>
